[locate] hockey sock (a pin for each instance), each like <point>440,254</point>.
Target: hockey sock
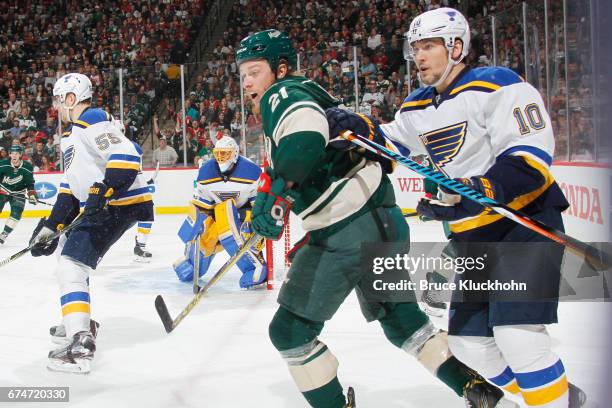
<point>483,355</point>
<point>144,228</point>
<point>407,327</point>
<point>311,364</point>
<point>539,372</point>
<point>73,279</point>
<point>10,225</point>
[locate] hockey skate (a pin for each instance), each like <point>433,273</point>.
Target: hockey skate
<point>3,237</point>
<point>432,301</point>
<point>478,393</point>
<point>577,397</point>
<point>141,254</point>
<point>350,398</point>
<point>58,333</point>
<point>76,356</point>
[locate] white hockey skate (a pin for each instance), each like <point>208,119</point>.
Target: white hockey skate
<point>58,333</point>
<point>76,356</point>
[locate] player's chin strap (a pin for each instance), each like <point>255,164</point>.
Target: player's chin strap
<point>449,66</point>
<point>598,259</point>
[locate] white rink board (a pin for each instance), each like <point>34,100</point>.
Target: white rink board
<point>587,188</point>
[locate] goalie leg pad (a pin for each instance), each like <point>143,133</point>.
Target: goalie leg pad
<point>73,278</point>
<point>228,224</point>
<point>193,225</point>
<point>183,267</point>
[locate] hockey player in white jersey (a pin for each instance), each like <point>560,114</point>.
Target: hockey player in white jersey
<point>489,128</point>
<point>101,169</point>
<point>220,215</point>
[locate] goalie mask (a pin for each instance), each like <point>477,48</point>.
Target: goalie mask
<point>226,153</point>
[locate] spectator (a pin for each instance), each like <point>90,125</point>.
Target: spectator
<point>165,155</point>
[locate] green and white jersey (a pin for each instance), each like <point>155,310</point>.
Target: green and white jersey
<point>16,179</point>
<point>333,185</point>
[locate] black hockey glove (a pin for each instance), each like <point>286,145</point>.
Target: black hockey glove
<point>43,246</point>
<point>451,206</point>
<point>99,193</point>
<point>340,120</point>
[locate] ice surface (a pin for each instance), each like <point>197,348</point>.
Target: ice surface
<point>220,355</point>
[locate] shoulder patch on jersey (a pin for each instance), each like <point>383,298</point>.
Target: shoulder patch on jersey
<point>245,171</point>
<point>92,116</point>
<point>209,171</point>
<point>487,79</point>
<point>68,156</point>
<point>418,99</point>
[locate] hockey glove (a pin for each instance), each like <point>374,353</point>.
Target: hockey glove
<point>39,238</point>
<point>340,120</point>
<point>32,197</point>
<point>95,206</point>
<point>451,206</point>
<point>272,206</point>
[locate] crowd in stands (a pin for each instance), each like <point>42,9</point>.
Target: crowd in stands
<point>41,40</point>
<point>149,39</point>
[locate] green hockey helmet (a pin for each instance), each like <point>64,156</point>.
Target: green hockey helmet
<point>271,45</point>
<point>16,148</point>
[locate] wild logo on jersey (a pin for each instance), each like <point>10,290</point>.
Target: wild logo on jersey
<point>444,144</point>
<point>226,195</point>
<point>68,156</point>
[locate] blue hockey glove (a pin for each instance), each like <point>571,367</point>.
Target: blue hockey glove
<point>340,120</point>
<point>95,206</point>
<point>41,233</point>
<point>451,206</point>
<point>272,206</point>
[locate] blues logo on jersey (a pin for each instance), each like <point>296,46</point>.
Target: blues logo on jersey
<point>444,144</point>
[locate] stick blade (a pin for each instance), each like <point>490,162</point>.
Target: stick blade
<point>164,315</point>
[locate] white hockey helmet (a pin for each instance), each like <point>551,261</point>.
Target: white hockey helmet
<point>75,83</point>
<point>226,153</point>
<point>445,23</point>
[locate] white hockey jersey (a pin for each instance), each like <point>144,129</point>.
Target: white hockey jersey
<point>94,144</point>
<point>486,114</point>
<point>214,187</point>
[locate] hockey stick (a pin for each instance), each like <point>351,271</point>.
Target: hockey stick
<point>411,214</point>
<point>598,259</point>
<point>51,237</point>
<point>154,177</point>
<point>25,198</point>
<point>169,323</point>
<point>196,264</point>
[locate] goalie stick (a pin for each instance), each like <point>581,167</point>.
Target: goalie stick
<point>598,259</point>
<point>160,305</point>
<point>51,237</point>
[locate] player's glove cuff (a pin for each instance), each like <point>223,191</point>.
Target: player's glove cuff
<point>272,206</point>
<point>99,193</point>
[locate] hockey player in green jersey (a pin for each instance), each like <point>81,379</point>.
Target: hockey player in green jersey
<point>16,185</point>
<point>343,199</point>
